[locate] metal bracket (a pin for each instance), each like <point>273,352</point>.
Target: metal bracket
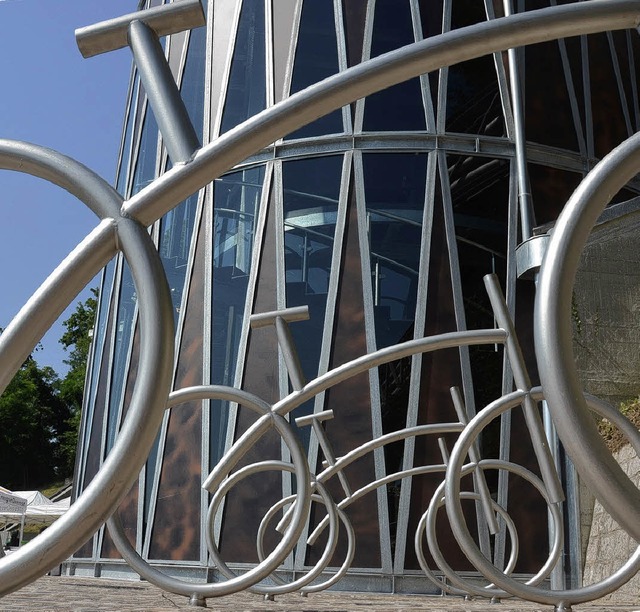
<point>141,31</point>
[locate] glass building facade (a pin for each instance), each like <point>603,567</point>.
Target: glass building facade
<point>382,217</point>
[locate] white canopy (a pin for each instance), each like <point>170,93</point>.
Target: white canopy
<point>36,508</point>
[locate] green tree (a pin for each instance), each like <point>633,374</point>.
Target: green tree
<point>33,419</point>
<point>40,414</point>
<point>77,341</point>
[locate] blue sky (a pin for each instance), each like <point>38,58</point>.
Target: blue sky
<point>50,95</point>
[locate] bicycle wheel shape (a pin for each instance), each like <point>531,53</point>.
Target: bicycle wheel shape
<point>462,586</point>
<point>553,339</point>
<point>461,532</point>
<point>219,480</point>
<point>114,233</point>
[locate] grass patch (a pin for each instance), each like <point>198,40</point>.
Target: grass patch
<point>613,437</point>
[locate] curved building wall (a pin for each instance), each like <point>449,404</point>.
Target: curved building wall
<point>382,218</point>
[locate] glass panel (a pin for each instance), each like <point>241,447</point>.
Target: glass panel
<point>193,79</point>
<point>480,197</point>
<point>124,329</point>
<point>609,128</point>
<point>147,154</point>
<point>399,107</point>
<point>548,119</point>
<point>355,12</point>
<point>473,97</point>
<point>123,169</point>
<point>176,229</point>
<point>311,192</point>
<point>98,343</point>
<point>316,59</point>
<point>144,174</point>
<point>394,193</point>
<point>550,188</point>
<point>236,200</point>
<point>247,83</point>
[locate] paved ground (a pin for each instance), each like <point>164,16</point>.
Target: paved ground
<point>57,594</point>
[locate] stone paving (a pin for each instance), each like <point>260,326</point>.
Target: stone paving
<point>57,594</point>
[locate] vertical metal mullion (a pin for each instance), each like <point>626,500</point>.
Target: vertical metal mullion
<point>281,303</point>
<point>370,337</point>
<point>586,86</point>
<point>268,54</point>
<point>573,100</point>
<point>501,75</point>
<point>632,80</point>
<point>404,505</point>
<point>618,77</point>
<point>461,323</point>
<point>566,67</point>
<point>207,219</point>
<point>425,85</point>
<point>443,76</point>
<point>342,59</point>
<point>216,121</point>
<point>507,375</point>
<point>329,318</point>
<point>207,347</point>
<point>288,79</point>
<point>366,54</point>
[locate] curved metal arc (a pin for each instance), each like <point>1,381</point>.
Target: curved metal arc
<point>221,392</point>
<point>554,343</point>
<point>466,541</point>
<point>372,486</point>
<point>78,268</point>
<point>385,355</point>
<point>137,435</point>
<point>395,436</point>
<point>457,585</point>
<point>122,465</point>
<point>368,77</point>
<point>330,547</point>
<point>262,570</point>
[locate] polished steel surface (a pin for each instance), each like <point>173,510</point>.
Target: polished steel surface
<point>122,227</point>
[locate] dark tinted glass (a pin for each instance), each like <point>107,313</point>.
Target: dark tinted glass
<point>193,91</point>
<point>316,59</point>
<point>311,191</point>
<point>399,107</point>
<point>246,89</point>
<point>236,200</point>
<point>394,193</point>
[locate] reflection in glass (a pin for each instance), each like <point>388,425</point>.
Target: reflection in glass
<point>176,230</point>
<point>399,107</point>
<point>123,167</point>
<point>145,170</point>
<point>236,200</point>
<point>123,333</point>
<point>394,194</point>
<point>193,92</point>
<point>311,193</point>
<point>316,59</point>
<point>246,93</point>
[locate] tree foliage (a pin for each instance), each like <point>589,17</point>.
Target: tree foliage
<point>40,413</point>
<point>33,418</point>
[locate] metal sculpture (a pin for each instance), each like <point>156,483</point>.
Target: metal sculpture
<point>122,228</point>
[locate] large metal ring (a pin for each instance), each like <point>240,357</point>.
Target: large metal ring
<point>465,539</point>
<point>553,336</point>
<point>115,232</point>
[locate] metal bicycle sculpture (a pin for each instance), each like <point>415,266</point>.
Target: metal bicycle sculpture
<point>122,227</point>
